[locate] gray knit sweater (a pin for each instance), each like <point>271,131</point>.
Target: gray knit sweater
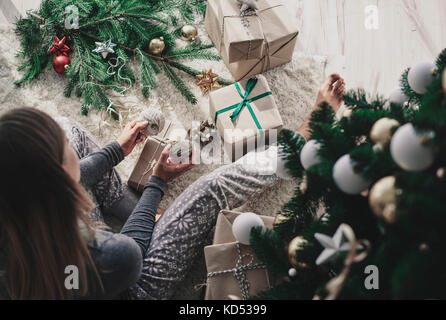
<point>118,257</point>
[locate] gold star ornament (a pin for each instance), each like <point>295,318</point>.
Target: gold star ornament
<point>207,81</point>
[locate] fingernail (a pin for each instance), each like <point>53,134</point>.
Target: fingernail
<point>145,122</point>
<point>168,146</point>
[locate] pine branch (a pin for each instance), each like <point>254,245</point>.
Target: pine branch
<point>178,83</point>
<point>441,61</point>
<point>270,249</point>
<point>292,144</point>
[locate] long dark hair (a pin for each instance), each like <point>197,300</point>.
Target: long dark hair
<point>41,208</point>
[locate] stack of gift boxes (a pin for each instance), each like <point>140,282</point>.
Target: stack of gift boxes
<point>250,42</point>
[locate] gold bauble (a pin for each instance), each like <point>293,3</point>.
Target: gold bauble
<point>279,219</point>
<point>295,245</point>
<point>189,33</point>
<point>303,186</point>
<point>382,199</point>
<point>424,248</point>
<point>347,113</point>
<point>157,45</point>
<point>444,80</point>
<point>381,132</point>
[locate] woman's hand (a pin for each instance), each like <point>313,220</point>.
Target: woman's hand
<point>168,171</point>
<point>130,136</point>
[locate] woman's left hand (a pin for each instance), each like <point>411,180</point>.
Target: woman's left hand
<point>130,136</point>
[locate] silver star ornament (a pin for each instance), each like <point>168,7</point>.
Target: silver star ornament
<point>248,4</point>
<point>333,246</point>
<point>104,48</point>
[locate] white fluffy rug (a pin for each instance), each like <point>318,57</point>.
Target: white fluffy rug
<point>294,86</point>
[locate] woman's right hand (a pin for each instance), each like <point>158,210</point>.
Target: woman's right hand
<point>168,171</point>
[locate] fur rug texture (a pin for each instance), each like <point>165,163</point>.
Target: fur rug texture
<point>294,86</point>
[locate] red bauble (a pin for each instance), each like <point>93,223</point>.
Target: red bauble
<point>60,63</point>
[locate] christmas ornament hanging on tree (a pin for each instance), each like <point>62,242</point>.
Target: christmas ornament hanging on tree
<point>410,151</point>
<point>332,245</point>
<point>441,173</point>
<point>308,155</point>
<point>104,48</point>
<point>421,76</point>
<point>189,33</point>
<point>59,47</point>
<point>157,46</point>
<point>347,179</point>
<point>292,272</point>
<point>297,244</point>
<point>155,119</point>
<point>347,113</point>
<point>382,199</point>
<point>381,132</point>
<point>242,225</point>
<point>60,64</point>
<point>279,218</point>
<point>397,96</point>
<point>444,81</point>
<point>207,81</point>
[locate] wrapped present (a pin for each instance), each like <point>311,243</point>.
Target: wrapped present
<point>245,115</point>
<point>149,156</point>
<point>239,36</point>
<point>232,267</point>
<point>236,36</point>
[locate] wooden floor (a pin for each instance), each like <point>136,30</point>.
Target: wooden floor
<point>409,31</point>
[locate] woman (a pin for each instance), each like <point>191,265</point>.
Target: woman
<point>44,223</point>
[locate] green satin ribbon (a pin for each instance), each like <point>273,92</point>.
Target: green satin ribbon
<point>245,102</point>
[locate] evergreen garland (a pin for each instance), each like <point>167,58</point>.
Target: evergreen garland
<point>130,24</point>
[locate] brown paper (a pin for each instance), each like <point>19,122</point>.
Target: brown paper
<point>223,228</point>
<point>238,143</point>
<point>279,33</point>
<point>240,37</point>
<point>223,255</point>
<point>147,159</point>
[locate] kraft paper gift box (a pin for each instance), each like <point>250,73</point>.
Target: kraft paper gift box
<point>240,37</point>
<point>150,154</point>
<point>278,29</point>
<point>252,126</point>
<point>224,255</point>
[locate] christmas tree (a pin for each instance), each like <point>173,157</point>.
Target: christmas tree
<point>370,197</point>
<point>101,36</point>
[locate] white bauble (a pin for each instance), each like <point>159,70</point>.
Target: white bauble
<point>347,179</point>
<point>242,225</point>
<point>308,155</point>
<point>421,76</point>
<point>408,151</point>
<point>292,272</point>
<point>397,96</point>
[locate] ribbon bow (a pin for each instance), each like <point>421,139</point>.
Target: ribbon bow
<point>245,102</point>
<point>59,47</point>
